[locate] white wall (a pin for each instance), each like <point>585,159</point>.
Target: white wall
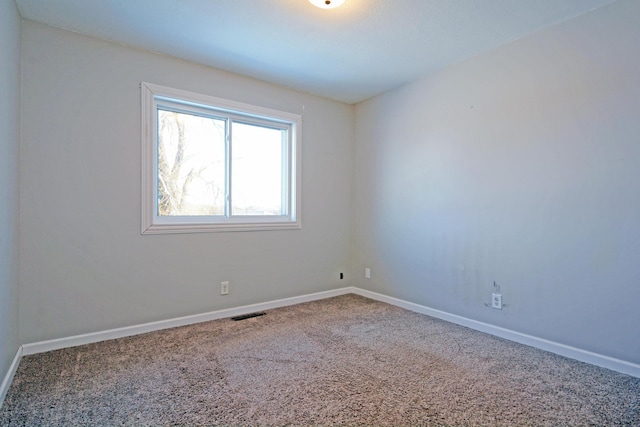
<point>84,264</point>
<point>9,148</point>
<point>522,166</point>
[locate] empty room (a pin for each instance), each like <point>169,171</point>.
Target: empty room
<point>320,212</point>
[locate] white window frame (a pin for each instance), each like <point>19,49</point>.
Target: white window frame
<point>154,96</point>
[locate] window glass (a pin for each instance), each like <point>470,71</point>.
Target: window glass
<point>256,179</point>
<point>191,164</point>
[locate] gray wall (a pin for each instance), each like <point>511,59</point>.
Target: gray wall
<point>521,165</point>
<point>84,264</point>
<point>9,143</point>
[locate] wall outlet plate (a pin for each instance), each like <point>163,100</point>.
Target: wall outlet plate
<point>224,288</point>
<point>496,301</point>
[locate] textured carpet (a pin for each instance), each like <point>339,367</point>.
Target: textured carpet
<point>341,361</point>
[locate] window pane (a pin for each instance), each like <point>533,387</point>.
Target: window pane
<point>256,165</point>
<point>191,164</point>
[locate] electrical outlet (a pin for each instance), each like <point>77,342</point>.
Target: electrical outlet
<point>224,288</point>
<point>367,273</point>
<point>496,301</point>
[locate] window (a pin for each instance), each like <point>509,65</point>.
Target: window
<point>211,164</point>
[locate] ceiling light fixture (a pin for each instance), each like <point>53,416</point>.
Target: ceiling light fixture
<point>326,4</point>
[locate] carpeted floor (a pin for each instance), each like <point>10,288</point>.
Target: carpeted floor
<point>342,361</point>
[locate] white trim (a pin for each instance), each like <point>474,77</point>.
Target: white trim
<point>6,382</point>
<point>614,364</point>
<point>617,365</point>
<point>56,344</point>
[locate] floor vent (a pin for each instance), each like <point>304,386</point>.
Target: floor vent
<point>248,316</point>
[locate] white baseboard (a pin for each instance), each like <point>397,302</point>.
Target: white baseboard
<point>56,344</point>
<point>543,344</point>
<point>617,365</point>
<point>6,382</point>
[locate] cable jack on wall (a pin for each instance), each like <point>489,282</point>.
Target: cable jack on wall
<point>496,298</point>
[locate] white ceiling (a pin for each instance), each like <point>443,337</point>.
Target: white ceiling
<point>349,54</point>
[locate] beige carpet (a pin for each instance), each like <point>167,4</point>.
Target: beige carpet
<point>341,361</point>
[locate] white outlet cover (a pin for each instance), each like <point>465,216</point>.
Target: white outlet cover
<point>496,301</point>
<point>224,288</point>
